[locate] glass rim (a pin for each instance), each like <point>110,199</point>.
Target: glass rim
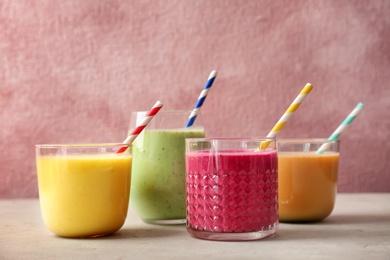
<point>81,145</point>
<point>260,138</point>
<point>167,111</point>
<point>306,140</point>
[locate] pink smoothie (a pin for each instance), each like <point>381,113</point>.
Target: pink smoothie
<point>232,191</point>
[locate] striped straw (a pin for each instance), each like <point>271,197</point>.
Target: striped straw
<point>286,116</point>
<point>339,130</point>
<point>201,98</point>
<point>145,121</point>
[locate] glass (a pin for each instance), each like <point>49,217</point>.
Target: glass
<point>158,181</point>
<point>83,189</point>
<point>232,188</point>
<point>307,181</point>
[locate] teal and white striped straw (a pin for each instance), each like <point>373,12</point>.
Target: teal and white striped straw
<point>336,134</point>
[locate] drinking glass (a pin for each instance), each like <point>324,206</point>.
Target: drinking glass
<point>307,180</point>
<point>158,181</point>
<point>83,188</point>
<point>232,188</point>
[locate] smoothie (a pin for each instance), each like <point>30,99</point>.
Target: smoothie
<point>307,185</point>
<point>84,195</point>
<point>232,191</point>
<point>158,181</point>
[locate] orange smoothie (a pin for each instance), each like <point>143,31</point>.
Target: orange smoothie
<point>84,195</point>
<point>307,185</point>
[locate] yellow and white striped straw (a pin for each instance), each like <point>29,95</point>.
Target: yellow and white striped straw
<point>286,116</point>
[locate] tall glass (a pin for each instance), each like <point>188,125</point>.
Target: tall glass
<point>307,180</point>
<point>83,189</point>
<point>158,181</point>
<point>232,188</point>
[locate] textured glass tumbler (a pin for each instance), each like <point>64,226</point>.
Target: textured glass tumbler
<point>231,188</point>
<point>158,181</point>
<point>307,180</point>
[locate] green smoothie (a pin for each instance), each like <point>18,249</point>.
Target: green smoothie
<point>158,174</point>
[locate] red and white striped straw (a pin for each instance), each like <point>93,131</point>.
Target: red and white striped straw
<point>145,121</point>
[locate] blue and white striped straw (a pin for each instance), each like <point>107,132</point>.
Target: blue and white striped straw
<point>201,98</point>
<point>336,134</point>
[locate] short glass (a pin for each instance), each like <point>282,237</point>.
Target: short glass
<point>158,181</point>
<point>307,180</point>
<point>83,188</point>
<point>231,188</point>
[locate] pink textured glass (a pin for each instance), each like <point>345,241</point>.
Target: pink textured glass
<point>231,189</point>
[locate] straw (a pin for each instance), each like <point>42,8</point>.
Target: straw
<point>286,116</point>
<point>201,98</point>
<point>145,121</point>
<point>339,130</point>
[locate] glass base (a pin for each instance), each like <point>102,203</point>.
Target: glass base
<point>85,236</point>
<point>165,221</point>
<point>303,218</point>
<point>221,236</point>
<point>97,236</point>
<point>300,221</point>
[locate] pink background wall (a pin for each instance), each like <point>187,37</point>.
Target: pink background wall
<point>72,71</point>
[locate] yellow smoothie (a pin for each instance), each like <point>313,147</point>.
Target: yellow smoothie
<point>307,185</point>
<point>84,195</point>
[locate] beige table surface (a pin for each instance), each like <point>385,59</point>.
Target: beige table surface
<point>359,228</point>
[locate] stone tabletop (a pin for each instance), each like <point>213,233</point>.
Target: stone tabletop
<point>358,228</point>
